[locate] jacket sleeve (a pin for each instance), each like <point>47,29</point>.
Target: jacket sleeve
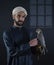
<point>9,43</point>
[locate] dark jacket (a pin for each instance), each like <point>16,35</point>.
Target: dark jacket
<point>18,49</point>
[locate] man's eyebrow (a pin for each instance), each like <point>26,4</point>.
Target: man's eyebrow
<point>24,15</point>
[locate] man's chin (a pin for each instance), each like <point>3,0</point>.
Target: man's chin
<point>20,24</point>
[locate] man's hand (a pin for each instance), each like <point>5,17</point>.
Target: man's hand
<point>33,42</point>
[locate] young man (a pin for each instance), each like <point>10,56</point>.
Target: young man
<point>17,41</point>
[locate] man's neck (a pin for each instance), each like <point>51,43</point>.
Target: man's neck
<point>17,25</point>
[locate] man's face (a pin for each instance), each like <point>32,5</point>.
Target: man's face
<point>19,18</point>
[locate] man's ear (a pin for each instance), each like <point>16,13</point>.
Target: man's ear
<point>13,16</point>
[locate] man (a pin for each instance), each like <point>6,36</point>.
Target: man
<point>17,41</point>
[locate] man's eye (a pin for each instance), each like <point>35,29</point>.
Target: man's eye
<point>23,16</point>
<point>18,15</point>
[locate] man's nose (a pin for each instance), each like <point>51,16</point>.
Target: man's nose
<point>20,18</point>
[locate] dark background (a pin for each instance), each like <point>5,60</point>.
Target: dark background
<point>5,21</point>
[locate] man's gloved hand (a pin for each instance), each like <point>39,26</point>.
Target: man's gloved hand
<point>36,47</point>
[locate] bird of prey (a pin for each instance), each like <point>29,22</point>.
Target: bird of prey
<point>41,47</point>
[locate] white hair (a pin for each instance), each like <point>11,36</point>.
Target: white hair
<point>19,9</point>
